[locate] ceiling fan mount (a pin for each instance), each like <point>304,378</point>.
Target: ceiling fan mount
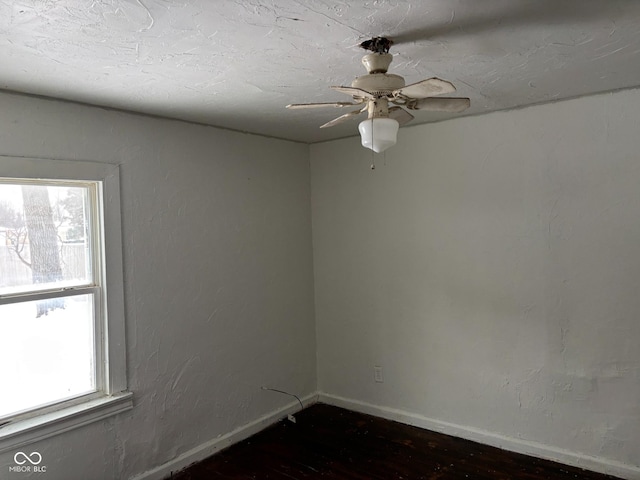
<point>379,60</point>
<point>377,89</point>
<point>377,45</point>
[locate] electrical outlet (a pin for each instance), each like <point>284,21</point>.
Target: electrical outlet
<point>377,374</point>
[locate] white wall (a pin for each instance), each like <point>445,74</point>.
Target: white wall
<point>491,266</point>
<point>218,278</point>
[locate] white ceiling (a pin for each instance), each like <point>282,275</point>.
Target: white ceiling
<point>236,64</point>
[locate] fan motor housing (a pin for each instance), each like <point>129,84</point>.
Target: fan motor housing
<point>379,83</point>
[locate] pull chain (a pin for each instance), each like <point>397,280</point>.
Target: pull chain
<point>373,154</point>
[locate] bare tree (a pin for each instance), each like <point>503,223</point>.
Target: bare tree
<point>43,242</point>
<point>15,231</point>
<point>72,211</point>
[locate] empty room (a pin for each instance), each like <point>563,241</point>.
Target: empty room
<point>301,240</point>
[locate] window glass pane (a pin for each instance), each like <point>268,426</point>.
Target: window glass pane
<point>44,237</point>
<point>46,358</point>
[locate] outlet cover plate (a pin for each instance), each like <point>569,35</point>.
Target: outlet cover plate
<point>377,374</point>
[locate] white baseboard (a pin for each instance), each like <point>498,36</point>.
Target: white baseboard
<point>207,449</point>
<point>596,464</point>
<point>199,453</point>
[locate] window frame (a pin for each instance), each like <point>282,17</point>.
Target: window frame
<point>111,396</point>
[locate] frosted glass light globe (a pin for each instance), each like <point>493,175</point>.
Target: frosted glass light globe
<point>378,134</point>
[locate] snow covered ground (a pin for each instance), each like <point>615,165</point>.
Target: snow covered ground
<point>45,359</point>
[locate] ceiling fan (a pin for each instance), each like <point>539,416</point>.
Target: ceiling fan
<point>384,96</point>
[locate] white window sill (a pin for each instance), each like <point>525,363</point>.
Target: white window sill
<point>23,432</point>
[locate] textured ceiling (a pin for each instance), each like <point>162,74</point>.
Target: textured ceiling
<point>236,64</point>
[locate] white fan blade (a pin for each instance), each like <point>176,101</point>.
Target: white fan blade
<point>343,118</point>
<point>320,105</point>
<point>441,104</point>
<point>354,92</point>
<point>400,115</point>
<point>426,88</point>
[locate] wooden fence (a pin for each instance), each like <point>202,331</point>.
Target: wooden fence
<point>14,272</point>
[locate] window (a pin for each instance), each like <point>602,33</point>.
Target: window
<point>62,361</point>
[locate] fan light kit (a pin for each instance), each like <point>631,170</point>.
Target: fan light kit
<point>373,93</point>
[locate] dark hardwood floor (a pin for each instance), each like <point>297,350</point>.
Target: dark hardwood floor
<point>333,443</point>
